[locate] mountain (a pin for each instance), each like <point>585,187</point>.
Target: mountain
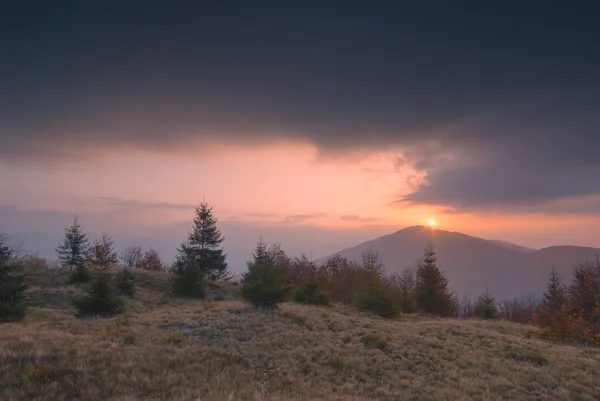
<point>512,246</point>
<point>470,263</point>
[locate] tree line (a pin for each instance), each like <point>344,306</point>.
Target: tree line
<point>565,312</point>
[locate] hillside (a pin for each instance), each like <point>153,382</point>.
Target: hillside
<point>166,348</point>
<point>471,263</point>
<point>512,246</point>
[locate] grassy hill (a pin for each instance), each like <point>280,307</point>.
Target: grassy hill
<point>166,348</point>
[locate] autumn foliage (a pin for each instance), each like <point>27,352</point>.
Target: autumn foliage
<point>572,313</point>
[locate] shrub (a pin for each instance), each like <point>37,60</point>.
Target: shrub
<point>264,285</point>
<point>311,293</point>
<point>379,300</point>
<point>188,280</point>
<point>12,288</point>
<point>172,337</point>
<point>374,341</point>
<point>335,362</point>
<point>533,357</point>
<point>80,274</point>
<point>485,308</point>
<point>101,299</point>
<point>12,296</point>
<point>125,282</point>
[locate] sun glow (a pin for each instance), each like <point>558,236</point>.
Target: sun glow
<point>431,222</point>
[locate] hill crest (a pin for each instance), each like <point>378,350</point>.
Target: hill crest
<point>470,263</point>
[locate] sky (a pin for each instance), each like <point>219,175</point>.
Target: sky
<point>317,124</point>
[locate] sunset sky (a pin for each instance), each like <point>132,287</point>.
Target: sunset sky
<point>316,125</point>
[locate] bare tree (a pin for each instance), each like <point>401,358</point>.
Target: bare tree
<point>373,262</point>
<point>463,307</point>
<point>152,261</point>
<point>101,254</point>
<point>132,257</point>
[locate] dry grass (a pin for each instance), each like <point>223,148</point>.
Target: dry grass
<point>185,350</point>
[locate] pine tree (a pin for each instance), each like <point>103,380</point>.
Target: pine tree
<point>6,252</point>
<point>102,255</point>
<point>202,248</point>
<point>485,308</point>
<point>73,250</point>
<point>188,279</point>
<point>125,282</point>
<point>432,292</point>
<point>555,296</point>
<point>101,298</point>
<point>585,297</point>
<point>264,284</point>
<point>553,312</point>
<point>12,287</point>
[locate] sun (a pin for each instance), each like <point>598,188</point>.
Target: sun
<point>431,222</point>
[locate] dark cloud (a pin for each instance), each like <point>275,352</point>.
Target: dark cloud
<point>135,204</point>
<point>508,93</point>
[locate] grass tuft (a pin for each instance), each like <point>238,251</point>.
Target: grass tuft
<point>374,341</point>
<point>524,355</point>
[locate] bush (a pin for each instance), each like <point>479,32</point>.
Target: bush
<point>125,282</point>
<point>101,299</point>
<point>264,285</point>
<point>311,293</point>
<point>374,341</point>
<point>12,296</point>
<point>533,357</point>
<point>80,275</point>
<point>485,308</point>
<point>189,285</point>
<point>188,279</point>
<point>12,288</point>
<point>336,363</point>
<point>379,300</point>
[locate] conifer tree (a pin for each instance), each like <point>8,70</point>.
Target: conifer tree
<point>584,297</point>
<point>432,292</point>
<point>485,308</point>
<point>264,284</point>
<point>555,296</point>
<point>188,279</point>
<point>125,282</point>
<point>202,249</point>
<point>72,251</point>
<point>12,287</point>
<point>101,254</point>
<point>101,298</point>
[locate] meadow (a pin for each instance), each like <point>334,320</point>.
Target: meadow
<point>219,348</point>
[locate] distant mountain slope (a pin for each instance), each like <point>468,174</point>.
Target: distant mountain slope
<point>470,263</point>
<point>512,246</point>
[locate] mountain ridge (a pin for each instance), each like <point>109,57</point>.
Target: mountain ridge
<point>472,263</point>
